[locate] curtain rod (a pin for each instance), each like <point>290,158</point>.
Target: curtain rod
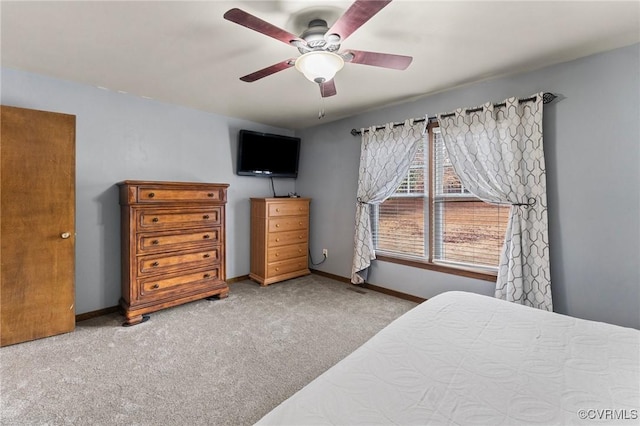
<point>547,97</point>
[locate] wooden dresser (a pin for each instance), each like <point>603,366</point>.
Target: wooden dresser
<point>279,239</point>
<point>173,245</point>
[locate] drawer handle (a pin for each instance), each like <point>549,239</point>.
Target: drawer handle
<point>300,223</point>
<point>151,195</point>
<point>210,195</point>
<point>155,286</point>
<point>206,276</point>
<point>206,255</point>
<point>205,217</point>
<point>155,242</point>
<point>154,220</point>
<point>299,237</point>
<point>206,236</point>
<point>277,240</point>
<point>277,269</point>
<point>155,264</point>
<point>277,210</point>
<point>277,225</point>
<point>277,254</point>
<point>299,250</point>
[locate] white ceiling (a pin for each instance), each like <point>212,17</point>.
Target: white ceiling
<point>186,53</point>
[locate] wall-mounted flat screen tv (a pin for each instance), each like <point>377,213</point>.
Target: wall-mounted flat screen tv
<point>267,155</point>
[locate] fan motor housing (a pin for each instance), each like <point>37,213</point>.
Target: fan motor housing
<point>315,38</point>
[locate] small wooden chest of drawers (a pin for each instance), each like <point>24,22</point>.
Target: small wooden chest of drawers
<point>279,239</point>
<point>173,240</point>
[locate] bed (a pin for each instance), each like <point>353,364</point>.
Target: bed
<point>465,359</point>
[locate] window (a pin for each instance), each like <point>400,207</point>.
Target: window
<point>432,219</point>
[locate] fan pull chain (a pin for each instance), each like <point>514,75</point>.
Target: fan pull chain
<point>321,111</point>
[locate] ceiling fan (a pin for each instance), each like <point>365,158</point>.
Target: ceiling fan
<point>320,45</point>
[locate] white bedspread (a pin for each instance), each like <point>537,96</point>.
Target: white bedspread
<point>465,359</point>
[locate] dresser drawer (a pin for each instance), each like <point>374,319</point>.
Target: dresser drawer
<point>287,223</point>
<point>172,218</point>
<point>276,239</point>
<point>157,194</point>
<point>288,208</point>
<point>286,266</point>
<point>177,240</point>
<point>162,264</point>
<point>276,254</point>
<point>171,285</point>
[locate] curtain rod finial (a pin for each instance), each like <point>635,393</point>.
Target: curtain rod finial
<point>548,97</point>
<point>354,132</point>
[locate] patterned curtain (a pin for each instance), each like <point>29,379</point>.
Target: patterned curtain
<point>385,157</point>
<point>497,153</point>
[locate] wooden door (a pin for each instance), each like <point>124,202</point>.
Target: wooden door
<point>37,228</point>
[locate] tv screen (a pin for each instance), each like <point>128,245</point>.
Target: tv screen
<point>267,155</point>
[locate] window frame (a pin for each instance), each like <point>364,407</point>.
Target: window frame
<point>428,263</point>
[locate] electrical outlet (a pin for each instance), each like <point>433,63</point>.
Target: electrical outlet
<point>325,253</point>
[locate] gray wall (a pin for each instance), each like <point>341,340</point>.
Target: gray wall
<point>120,136</point>
<point>592,140</point>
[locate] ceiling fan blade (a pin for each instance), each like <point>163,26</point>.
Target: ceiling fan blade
<point>265,72</point>
<point>245,19</point>
<point>359,13</point>
<point>328,88</point>
<point>384,60</point>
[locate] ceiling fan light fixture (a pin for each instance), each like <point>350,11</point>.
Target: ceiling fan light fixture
<point>319,66</point>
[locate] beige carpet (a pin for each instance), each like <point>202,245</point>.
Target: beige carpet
<point>204,363</point>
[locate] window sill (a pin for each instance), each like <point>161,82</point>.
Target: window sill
<point>469,273</point>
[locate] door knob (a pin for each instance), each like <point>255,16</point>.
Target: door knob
<point>65,235</point>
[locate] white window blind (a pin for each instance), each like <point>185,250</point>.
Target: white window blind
<point>467,230</point>
<point>400,223</point>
